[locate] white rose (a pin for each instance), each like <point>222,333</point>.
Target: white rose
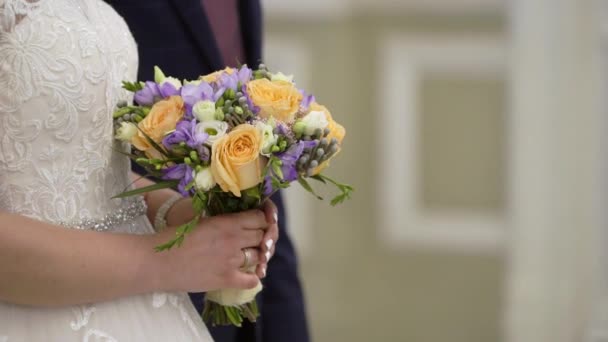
<point>233,297</point>
<point>126,131</point>
<point>204,110</point>
<point>195,82</point>
<point>268,137</point>
<point>279,76</point>
<point>313,121</point>
<point>215,129</point>
<point>203,180</point>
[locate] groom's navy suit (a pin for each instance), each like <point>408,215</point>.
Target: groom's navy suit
<point>176,35</point>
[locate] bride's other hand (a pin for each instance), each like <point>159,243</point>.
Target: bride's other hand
<point>212,256</point>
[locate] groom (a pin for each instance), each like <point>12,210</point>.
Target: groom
<point>189,38</point>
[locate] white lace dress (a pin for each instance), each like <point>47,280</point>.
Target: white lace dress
<point>61,66</point>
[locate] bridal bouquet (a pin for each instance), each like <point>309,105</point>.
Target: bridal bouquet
<point>228,140</point>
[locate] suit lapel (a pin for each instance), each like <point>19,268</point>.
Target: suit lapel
<point>195,19</point>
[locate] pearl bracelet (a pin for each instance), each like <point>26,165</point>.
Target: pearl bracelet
<point>160,220</point>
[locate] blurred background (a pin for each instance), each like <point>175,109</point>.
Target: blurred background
<point>475,134</point>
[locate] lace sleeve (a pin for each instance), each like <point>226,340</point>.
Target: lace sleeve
<point>13,11</point>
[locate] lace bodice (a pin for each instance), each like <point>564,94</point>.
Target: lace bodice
<point>61,67</point>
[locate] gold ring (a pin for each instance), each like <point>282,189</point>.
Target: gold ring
<point>247,261</point>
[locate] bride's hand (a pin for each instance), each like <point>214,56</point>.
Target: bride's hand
<point>212,256</point>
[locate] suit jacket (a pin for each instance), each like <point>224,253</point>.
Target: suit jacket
<point>176,35</point>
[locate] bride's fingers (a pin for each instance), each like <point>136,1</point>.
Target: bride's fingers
<point>250,238</point>
<point>261,270</point>
<point>250,257</point>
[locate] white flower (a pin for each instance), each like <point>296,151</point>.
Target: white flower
<point>268,137</point>
<point>204,110</point>
<point>194,83</point>
<point>313,121</point>
<point>215,129</point>
<point>173,81</point>
<point>203,180</point>
<point>233,297</point>
<point>279,76</point>
<point>126,131</point>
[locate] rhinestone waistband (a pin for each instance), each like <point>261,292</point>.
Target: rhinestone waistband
<point>132,208</point>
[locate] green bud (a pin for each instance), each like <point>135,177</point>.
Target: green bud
<point>193,155</point>
<point>138,118</point>
<point>275,149</point>
<point>145,110</point>
<point>122,111</point>
<point>238,110</point>
<point>182,144</point>
<point>299,127</point>
<point>199,168</point>
<point>229,94</point>
<point>220,102</point>
<point>142,161</point>
<point>219,114</point>
<point>276,168</point>
<point>188,161</point>
<point>159,75</point>
<point>158,166</point>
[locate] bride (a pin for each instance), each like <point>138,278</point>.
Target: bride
<point>76,265</point>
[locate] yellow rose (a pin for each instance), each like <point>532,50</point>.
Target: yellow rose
<point>335,131</point>
<point>235,159</point>
<point>212,77</point>
<point>163,118</point>
<point>277,99</point>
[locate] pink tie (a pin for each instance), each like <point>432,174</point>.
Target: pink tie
<point>223,15</point>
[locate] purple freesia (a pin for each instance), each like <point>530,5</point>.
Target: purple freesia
<point>185,131</point>
<point>255,109</point>
<point>181,172</point>
<point>231,81</point>
<point>201,92</point>
<point>290,158</point>
<point>149,95</point>
<point>167,89</point>
<point>267,188</point>
<point>306,101</point>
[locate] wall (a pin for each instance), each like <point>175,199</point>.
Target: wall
<point>422,258</point>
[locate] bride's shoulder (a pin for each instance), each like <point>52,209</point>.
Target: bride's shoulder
<point>12,12</point>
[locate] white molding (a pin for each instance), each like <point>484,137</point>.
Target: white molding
<point>293,56</point>
<point>403,58</point>
<point>314,10</point>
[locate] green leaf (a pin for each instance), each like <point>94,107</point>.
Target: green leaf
<point>319,179</point>
<point>153,187</point>
<point>180,235</point>
<point>307,187</point>
<point>132,86</point>
<point>153,143</point>
<point>130,155</point>
<point>199,202</point>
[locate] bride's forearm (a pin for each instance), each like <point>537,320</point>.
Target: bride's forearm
<point>45,265</point>
<point>181,212</point>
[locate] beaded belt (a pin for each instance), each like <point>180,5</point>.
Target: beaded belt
<point>131,208</point>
